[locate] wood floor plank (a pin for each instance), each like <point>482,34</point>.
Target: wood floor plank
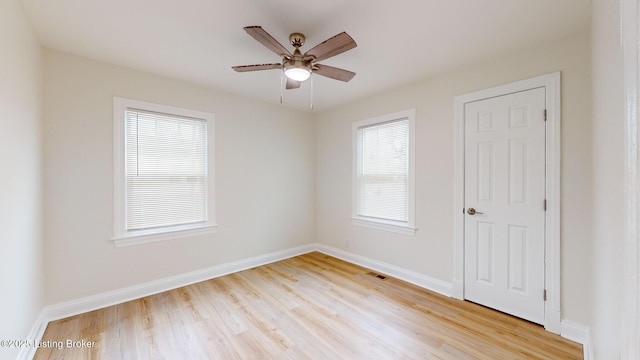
<point>309,307</point>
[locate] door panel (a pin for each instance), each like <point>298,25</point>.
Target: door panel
<point>517,244</point>
<point>485,253</point>
<point>504,183</point>
<point>485,172</point>
<point>517,171</point>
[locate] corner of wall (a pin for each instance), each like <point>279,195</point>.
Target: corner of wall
<point>21,259</point>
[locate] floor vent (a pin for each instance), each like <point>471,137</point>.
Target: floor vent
<point>381,277</point>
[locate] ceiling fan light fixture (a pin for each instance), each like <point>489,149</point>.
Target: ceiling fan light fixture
<point>297,67</point>
<point>297,73</point>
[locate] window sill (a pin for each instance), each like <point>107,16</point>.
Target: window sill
<point>139,238</point>
<point>385,225</point>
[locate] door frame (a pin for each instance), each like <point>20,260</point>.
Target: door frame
<point>630,327</point>
<point>551,83</point>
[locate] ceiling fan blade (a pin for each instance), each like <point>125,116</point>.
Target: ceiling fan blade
<point>292,84</point>
<point>243,68</point>
<point>263,37</point>
<point>333,72</point>
<point>332,46</point>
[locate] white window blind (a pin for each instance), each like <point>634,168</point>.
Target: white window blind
<point>383,171</point>
<point>165,170</point>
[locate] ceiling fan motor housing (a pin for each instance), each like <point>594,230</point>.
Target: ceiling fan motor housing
<point>302,64</point>
<point>298,66</point>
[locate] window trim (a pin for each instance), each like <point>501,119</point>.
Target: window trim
<point>400,227</point>
<point>122,237</point>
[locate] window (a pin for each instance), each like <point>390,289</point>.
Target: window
<point>383,174</point>
<point>163,172</point>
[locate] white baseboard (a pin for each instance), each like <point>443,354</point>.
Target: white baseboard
<point>579,333</point>
<point>98,301</point>
<point>569,330</point>
<point>457,289</point>
<point>102,300</point>
<point>34,336</point>
<point>429,283</point>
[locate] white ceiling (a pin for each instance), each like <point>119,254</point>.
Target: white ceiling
<point>399,42</point>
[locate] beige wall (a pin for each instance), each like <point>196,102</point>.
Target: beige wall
<point>264,179</point>
<point>21,281</point>
<point>608,178</point>
<point>430,251</point>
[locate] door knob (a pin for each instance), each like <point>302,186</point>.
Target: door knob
<point>472,211</point>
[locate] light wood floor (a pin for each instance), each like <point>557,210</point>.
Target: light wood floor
<point>308,307</point>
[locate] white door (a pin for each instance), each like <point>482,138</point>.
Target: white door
<point>505,185</point>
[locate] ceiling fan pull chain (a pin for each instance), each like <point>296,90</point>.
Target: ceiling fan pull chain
<point>311,91</point>
<point>281,86</point>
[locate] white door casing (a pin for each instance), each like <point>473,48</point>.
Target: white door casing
<point>551,85</point>
<point>504,182</point>
<point>630,325</point>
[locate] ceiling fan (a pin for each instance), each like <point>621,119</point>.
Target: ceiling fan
<point>298,67</point>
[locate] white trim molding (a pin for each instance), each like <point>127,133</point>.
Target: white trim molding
<point>382,225</point>
<point>579,333</point>
<point>34,337</point>
<point>569,330</point>
<point>401,227</point>
<point>175,233</point>
<point>102,300</point>
<point>90,303</point>
<point>630,322</point>
<point>122,236</point>
<point>551,84</point>
<point>423,281</point>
